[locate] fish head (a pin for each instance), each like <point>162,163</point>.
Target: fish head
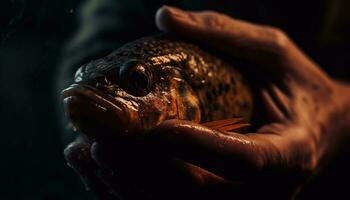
<point>128,96</point>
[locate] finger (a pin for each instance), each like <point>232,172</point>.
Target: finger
<point>236,37</point>
<point>273,111</point>
<point>100,180</point>
<point>233,157</point>
<point>261,44</point>
<point>154,174</point>
<point>282,100</point>
<point>78,158</point>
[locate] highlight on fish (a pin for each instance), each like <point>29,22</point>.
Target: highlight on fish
<point>154,79</point>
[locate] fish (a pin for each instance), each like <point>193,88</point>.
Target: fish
<point>153,79</point>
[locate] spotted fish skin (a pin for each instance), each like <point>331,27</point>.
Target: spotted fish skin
<point>196,85</point>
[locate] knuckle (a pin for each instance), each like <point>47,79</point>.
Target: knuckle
<point>258,157</point>
<point>311,162</point>
<point>215,20</point>
<point>307,156</point>
<point>279,38</point>
<point>309,166</point>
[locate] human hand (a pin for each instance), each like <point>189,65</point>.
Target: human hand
<point>308,115</point>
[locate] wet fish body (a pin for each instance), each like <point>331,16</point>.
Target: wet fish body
<point>153,79</point>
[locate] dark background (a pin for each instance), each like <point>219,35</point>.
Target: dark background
<point>34,32</point>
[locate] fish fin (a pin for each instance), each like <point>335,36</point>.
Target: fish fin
<point>233,127</point>
<point>226,125</point>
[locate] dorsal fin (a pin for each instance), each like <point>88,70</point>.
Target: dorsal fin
<point>226,125</point>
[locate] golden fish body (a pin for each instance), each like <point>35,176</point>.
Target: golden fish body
<point>153,79</point>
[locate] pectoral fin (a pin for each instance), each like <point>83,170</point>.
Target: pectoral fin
<point>226,125</point>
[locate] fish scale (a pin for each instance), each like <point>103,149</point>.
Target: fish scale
<point>220,87</point>
<point>187,83</point>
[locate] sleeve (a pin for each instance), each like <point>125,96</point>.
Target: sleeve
<point>102,26</point>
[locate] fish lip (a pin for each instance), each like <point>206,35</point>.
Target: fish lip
<point>99,101</point>
<point>92,94</point>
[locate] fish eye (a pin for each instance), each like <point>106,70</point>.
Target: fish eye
<point>136,78</point>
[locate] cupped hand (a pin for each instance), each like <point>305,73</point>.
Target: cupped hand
<point>308,115</point>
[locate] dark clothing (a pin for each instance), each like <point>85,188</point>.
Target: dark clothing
<point>317,26</point>
<point>32,33</point>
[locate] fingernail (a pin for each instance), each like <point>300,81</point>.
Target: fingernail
<point>167,14</point>
<point>76,152</point>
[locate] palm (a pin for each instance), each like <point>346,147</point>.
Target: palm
<point>187,160</point>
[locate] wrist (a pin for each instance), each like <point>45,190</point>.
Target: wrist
<point>334,121</point>
<point>341,121</point>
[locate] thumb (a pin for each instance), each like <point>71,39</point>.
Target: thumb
<point>260,44</point>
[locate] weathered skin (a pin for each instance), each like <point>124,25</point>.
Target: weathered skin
<point>154,79</point>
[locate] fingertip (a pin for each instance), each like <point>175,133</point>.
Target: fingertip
<point>76,151</point>
<point>160,18</point>
<point>94,149</point>
<point>163,18</point>
<point>166,16</point>
<point>101,153</point>
<point>77,155</point>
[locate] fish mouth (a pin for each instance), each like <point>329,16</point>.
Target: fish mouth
<point>92,112</point>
